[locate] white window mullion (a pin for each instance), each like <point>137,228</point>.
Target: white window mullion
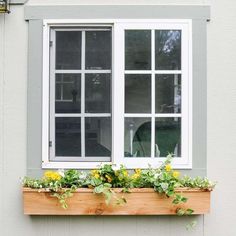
<point>85,71</point>
<point>153,94</point>
<point>135,72</point>
<point>84,115</point>
<point>83,96</point>
<point>118,95</point>
<point>168,115</point>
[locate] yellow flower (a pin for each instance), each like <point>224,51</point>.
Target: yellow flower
<point>168,167</point>
<point>176,174</point>
<point>135,176</point>
<point>52,175</point>
<point>138,171</point>
<point>94,172</point>
<point>96,176</point>
<point>125,173</point>
<point>109,179</point>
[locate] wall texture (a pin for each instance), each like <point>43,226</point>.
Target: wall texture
<point>221,141</point>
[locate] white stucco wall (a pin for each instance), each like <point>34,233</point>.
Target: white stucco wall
<point>221,142</point>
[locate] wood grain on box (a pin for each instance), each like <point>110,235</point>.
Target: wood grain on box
<point>140,201</point>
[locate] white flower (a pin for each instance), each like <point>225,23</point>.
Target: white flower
<point>156,175</point>
<point>115,167</point>
<point>83,175</point>
<point>61,172</point>
<point>164,186</point>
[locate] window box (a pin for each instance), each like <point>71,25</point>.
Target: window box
<point>140,201</point>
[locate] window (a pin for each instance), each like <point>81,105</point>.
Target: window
<point>80,94</point>
<point>116,91</point>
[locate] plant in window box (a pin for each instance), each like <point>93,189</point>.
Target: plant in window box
<point>110,191</point>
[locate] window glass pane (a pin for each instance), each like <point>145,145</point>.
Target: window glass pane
<point>168,49</point>
<point>68,50</point>
<point>138,49</point>
<point>138,93</point>
<point>98,50</point>
<point>168,137</point>
<point>68,136</point>
<point>168,93</point>
<point>68,93</point>
<point>97,93</point>
<point>137,137</point>
<point>98,136</point>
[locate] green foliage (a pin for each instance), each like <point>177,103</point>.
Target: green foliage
<point>62,196</point>
<point>103,180</point>
<point>106,190</point>
<point>191,225</point>
<point>179,199</point>
<point>184,212</point>
<point>198,182</point>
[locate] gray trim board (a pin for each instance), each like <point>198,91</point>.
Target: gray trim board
<point>18,2</point>
<point>34,94</point>
<point>34,129</point>
<point>117,11</point>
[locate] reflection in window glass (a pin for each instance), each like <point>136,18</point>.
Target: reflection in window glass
<point>168,94</point>
<point>138,93</point>
<point>168,49</point>
<point>137,137</point>
<point>68,50</point>
<point>98,136</point>
<point>138,49</point>
<point>97,93</point>
<point>68,136</point>
<point>98,50</point>
<point>68,93</point>
<point>168,136</point>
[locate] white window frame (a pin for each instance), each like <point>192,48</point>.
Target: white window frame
<point>119,25</point>
<point>82,115</point>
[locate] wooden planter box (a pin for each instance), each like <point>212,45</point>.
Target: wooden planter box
<point>140,201</point>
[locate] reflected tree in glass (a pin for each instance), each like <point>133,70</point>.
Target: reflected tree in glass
<point>168,49</point>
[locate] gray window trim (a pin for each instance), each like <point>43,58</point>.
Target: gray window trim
<point>117,12</point>
<point>18,2</point>
<point>35,14</point>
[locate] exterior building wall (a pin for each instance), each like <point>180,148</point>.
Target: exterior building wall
<point>221,139</point>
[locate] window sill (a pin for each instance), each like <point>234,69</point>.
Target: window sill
<point>139,202</point>
<point>129,164</point>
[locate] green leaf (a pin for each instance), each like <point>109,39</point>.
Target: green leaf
<point>189,211</point>
<point>191,225</point>
<point>180,211</point>
<point>99,189</point>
